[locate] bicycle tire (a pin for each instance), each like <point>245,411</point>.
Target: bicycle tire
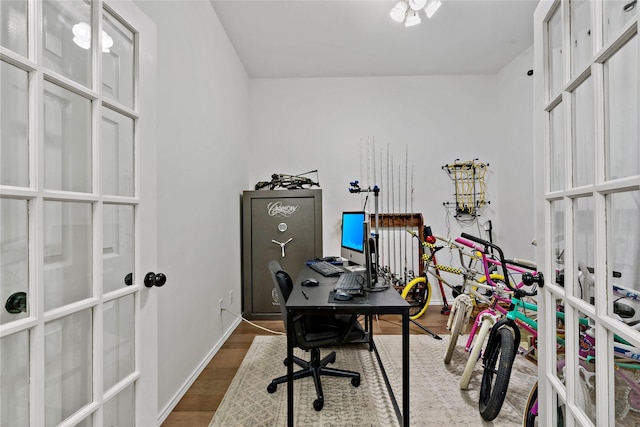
<point>529,419</point>
<point>474,355</point>
<point>498,361</point>
<point>417,299</point>
<point>458,321</point>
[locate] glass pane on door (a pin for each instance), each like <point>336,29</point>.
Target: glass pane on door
<point>13,26</point>
<point>583,134</point>
<point>558,239</point>
<point>66,39</point>
<point>621,112</point>
<point>118,252</point>
<point>584,249</point>
<point>14,126</point>
<point>117,154</point>
<point>118,340</point>
<point>14,259</point>
<point>117,61</point>
<point>68,367</point>
<point>623,243</point>
<point>556,148</point>
<point>585,391</point>
<point>67,140</point>
<point>558,329</point>
<point>581,40</point>
<point>120,411</point>
<point>627,406</point>
<point>616,14</point>
<point>14,377</point>
<point>68,260</point>
<point>554,53</point>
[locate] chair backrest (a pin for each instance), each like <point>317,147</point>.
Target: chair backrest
<point>283,285</point>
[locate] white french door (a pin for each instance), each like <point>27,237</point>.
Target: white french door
<point>588,121</point>
<point>77,221</point>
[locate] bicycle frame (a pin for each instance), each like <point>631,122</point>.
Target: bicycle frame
<point>517,305</point>
<point>434,269</point>
<point>468,272</point>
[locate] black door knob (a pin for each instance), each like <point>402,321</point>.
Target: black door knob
<point>16,303</point>
<point>128,279</point>
<point>152,279</point>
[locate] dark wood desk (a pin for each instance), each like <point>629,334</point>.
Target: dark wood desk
<point>316,301</point>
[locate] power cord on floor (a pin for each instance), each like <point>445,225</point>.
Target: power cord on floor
<point>253,324</point>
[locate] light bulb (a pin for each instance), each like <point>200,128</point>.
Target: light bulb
<point>82,35</point>
<point>107,42</point>
<point>417,4</point>
<point>412,19</point>
<point>399,11</point>
<point>432,7</point>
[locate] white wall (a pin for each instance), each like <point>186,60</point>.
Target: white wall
<point>298,125</point>
<point>203,109</point>
<point>515,159</point>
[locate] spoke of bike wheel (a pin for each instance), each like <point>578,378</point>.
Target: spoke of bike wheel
<point>493,371</point>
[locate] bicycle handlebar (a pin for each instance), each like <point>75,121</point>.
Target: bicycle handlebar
<point>523,263</point>
<point>468,240</point>
<point>483,242</point>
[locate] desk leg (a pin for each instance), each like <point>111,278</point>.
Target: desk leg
<point>405,368</point>
<point>369,320</point>
<point>290,341</point>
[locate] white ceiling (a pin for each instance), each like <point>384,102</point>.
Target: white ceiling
<point>342,38</point>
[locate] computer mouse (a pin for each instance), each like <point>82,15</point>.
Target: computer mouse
<point>310,282</point>
<point>342,296</point>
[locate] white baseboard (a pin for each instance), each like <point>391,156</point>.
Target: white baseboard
<point>164,414</point>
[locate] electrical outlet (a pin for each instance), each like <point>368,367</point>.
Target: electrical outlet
<point>220,305</point>
<point>230,297</point>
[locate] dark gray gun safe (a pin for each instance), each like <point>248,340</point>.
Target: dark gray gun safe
<point>283,225</point>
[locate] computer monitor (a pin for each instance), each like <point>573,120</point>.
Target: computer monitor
<point>354,237</point>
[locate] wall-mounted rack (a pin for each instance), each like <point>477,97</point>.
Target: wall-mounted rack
<point>470,187</point>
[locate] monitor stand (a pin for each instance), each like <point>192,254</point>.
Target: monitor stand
<point>354,268</point>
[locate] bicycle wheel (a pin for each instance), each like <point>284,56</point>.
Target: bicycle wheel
<point>498,360</point>
<point>478,343</point>
<point>461,315</point>
<point>529,417</point>
<point>418,294</point>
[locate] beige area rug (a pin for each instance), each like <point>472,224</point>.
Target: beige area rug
<point>436,398</point>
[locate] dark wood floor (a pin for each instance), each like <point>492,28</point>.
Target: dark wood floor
<point>199,404</point>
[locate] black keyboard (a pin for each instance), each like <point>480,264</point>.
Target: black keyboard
<point>350,282</point>
<point>326,268</point>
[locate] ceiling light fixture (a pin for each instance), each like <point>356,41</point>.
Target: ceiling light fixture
<point>408,11</point>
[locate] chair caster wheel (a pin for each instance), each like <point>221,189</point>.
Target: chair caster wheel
<point>355,382</point>
<point>318,404</point>
<point>333,359</point>
<point>285,362</point>
<point>271,388</point>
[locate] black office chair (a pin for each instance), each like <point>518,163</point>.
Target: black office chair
<point>311,333</point>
